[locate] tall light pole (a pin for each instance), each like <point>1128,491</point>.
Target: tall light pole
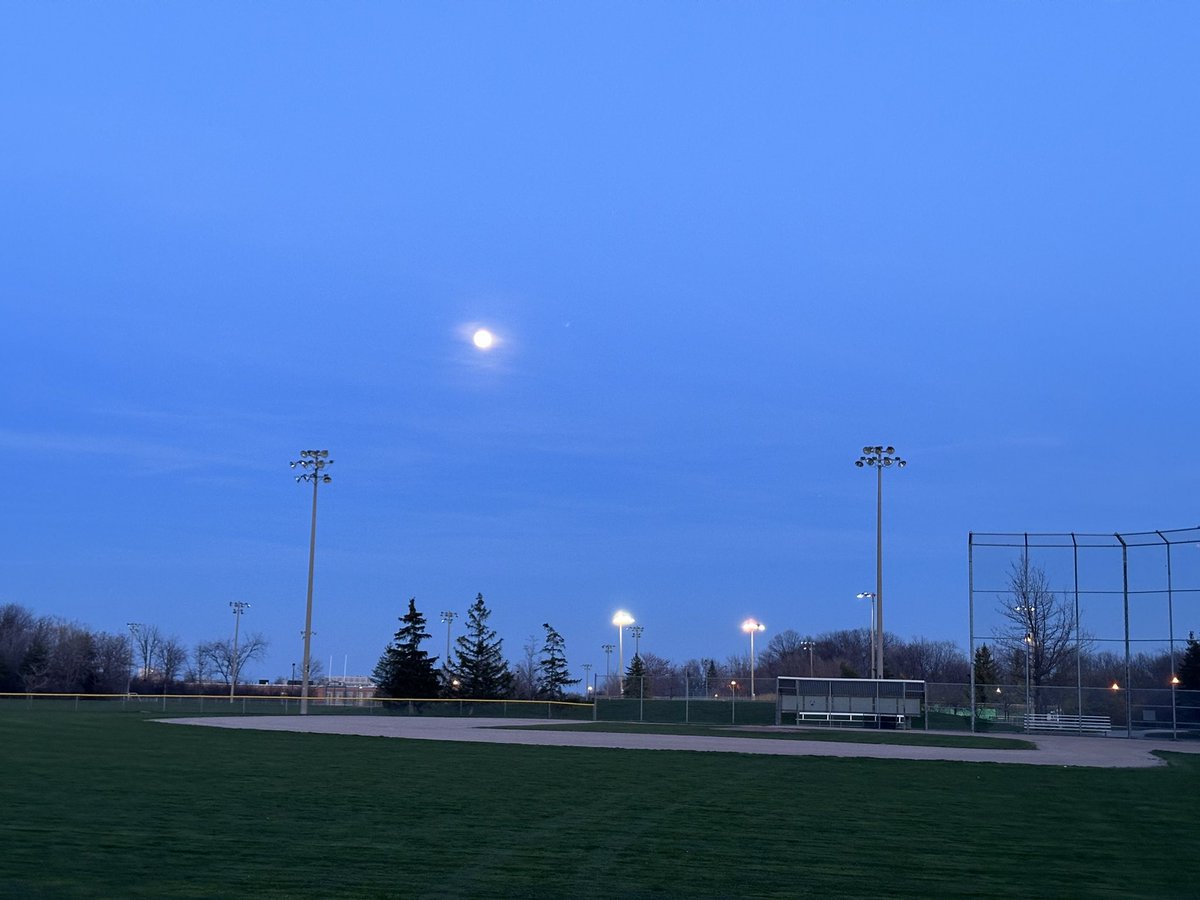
<point>587,680</point>
<point>608,649</point>
<point>134,632</point>
<point>881,458</point>
<point>870,595</point>
<point>238,607</point>
<point>311,462</point>
<point>621,619</point>
<point>448,616</point>
<point>637,631</point>
<point>809,645</point>
<point>751,627</point>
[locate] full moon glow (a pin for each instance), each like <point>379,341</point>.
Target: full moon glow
<point>483,339</point>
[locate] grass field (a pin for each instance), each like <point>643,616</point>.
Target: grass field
<point>115,805</point>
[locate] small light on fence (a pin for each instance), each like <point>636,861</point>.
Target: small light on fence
<point>1115,686</point>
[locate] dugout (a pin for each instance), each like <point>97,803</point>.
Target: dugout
<point>871,702</point>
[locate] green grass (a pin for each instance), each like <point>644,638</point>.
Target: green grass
<point>113,805</point>
<point>844,735</point>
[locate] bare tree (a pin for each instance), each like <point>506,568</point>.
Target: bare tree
<point>146,643</point>
<point>219,659</point>
<point>172,657</point>
<point>525,672</point>
<point>1039,629</point>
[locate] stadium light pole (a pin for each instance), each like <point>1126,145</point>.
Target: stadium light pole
<point>587,680</point>
<point>870,595</point>
<point>238,607</point>
<point>881,458</point>
<point>448,616</point>
<point>134,630</point>
<point>311,462</point>
<point>608,649</point>
<point>621,619</point>
<point>752,627</point>
<point>637,631</point>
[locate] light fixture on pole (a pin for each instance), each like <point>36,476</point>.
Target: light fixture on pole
<point>311,462</point>
<point>870,595</point>
<point>587,679</point>
<point>752,627</point>
<point>881,458</point>
<point>238,607</point>
<point>448,616</point>
<point>621,619</point>
<point>608,649</point>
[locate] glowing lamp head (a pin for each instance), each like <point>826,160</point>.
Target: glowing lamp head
<point>752,625</point>
<point>483,339</point>
<point>622,618</point>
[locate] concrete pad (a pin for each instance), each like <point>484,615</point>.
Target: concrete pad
<point>1052,750</point>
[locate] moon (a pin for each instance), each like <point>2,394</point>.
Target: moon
<point>483,339</point>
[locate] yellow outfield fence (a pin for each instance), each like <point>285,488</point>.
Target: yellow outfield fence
<point>288,705</point>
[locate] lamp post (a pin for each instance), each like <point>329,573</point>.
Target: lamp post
<point>448,616</point>
<point>311,462</point>
<point>881,458</point>
<point>238,607</point>
<point>621,619</point>
<point>608,649</point>
<point>870,595</point>
<point>134,633</point>
<point>752,627</point>
<point>1174,723</point>
<point>1028,651</point>
<point>637,631</point>
<point>809,645</point>
<point>587,680</point>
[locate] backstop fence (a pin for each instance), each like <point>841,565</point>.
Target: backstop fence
<point>1085,624</point>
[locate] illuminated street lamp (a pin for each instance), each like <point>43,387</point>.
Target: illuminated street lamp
<point>238,607</point>
<point>809,645</point>
<point>870,595</point>
<point>1174,723</point>
<point>881,458</point>
<point>621,619</point>
<point>311,462</point>
<point>752,627</point>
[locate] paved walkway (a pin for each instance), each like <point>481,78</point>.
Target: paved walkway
<point>1052,750</point>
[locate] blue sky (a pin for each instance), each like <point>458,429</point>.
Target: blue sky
<point>723,245</point>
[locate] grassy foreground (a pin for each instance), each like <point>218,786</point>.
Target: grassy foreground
<point>114,805</point>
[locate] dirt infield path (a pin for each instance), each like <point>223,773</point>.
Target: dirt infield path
<point>1052,750</point>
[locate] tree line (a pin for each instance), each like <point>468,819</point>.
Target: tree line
<point>46,654</point>
<point>477,668</point>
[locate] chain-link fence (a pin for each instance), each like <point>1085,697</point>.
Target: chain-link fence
<point>258,705</point>
<point>1139,712</point>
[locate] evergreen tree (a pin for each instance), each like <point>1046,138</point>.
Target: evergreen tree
<point>1189,665</point>
<point>553,674</point>
<point>636,682</point>
<point>985,672</point>
<point>480,666</point>
<point>405,670</point>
